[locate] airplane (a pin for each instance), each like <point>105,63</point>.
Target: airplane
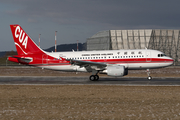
<point>114,63</point>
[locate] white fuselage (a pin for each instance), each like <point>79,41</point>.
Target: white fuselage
<point>131,59</point>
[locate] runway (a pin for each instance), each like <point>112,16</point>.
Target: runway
<point>24,80</point>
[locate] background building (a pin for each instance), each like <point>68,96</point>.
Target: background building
<point>163,40</point>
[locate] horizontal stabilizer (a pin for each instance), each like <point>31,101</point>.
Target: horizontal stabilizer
<point>20,59</point>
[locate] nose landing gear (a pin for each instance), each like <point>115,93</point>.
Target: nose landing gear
<point>148,73</point>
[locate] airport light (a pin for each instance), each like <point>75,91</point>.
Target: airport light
<point>55,41</point>
<point>77,46</point>
<point>39,40</point>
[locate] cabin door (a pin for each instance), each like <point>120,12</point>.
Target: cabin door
<point>148,56</point>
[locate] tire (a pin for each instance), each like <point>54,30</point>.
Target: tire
<point>92,78</point>
<point>96,77</point>
<point>149,77</point>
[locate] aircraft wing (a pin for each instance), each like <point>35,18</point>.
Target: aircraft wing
<point>90,66</point>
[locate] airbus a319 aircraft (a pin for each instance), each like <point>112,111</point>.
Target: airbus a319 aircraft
<point>111,62</point>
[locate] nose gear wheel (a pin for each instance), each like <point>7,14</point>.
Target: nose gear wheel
<point>148,73</point>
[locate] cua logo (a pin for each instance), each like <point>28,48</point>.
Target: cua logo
<point>20,34</point>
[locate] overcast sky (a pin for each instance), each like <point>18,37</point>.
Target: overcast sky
<point>80,19</point>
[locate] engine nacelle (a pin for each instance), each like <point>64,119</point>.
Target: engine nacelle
<point>116,71</point>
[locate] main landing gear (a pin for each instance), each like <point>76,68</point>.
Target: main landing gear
<point>148,73</point>
<point>94,78</point>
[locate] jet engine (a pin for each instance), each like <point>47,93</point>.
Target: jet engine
<point>116,71</point>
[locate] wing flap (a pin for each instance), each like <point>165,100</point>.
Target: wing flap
<point>88,64</point>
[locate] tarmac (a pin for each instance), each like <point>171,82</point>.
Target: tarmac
<point>124,81</point>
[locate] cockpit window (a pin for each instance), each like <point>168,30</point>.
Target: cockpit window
<point>161,55</point>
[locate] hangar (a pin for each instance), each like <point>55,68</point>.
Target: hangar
<point>165,40</point>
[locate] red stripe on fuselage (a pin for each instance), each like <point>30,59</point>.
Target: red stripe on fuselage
<point>54,61</point>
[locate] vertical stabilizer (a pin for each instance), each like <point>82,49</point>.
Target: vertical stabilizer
<point>24,44</point>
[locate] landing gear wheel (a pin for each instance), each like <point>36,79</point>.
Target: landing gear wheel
<point>94,77</point>
<point>149,77</point>
<point>148,73</point>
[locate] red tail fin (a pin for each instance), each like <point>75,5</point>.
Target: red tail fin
<point>24,44</point>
